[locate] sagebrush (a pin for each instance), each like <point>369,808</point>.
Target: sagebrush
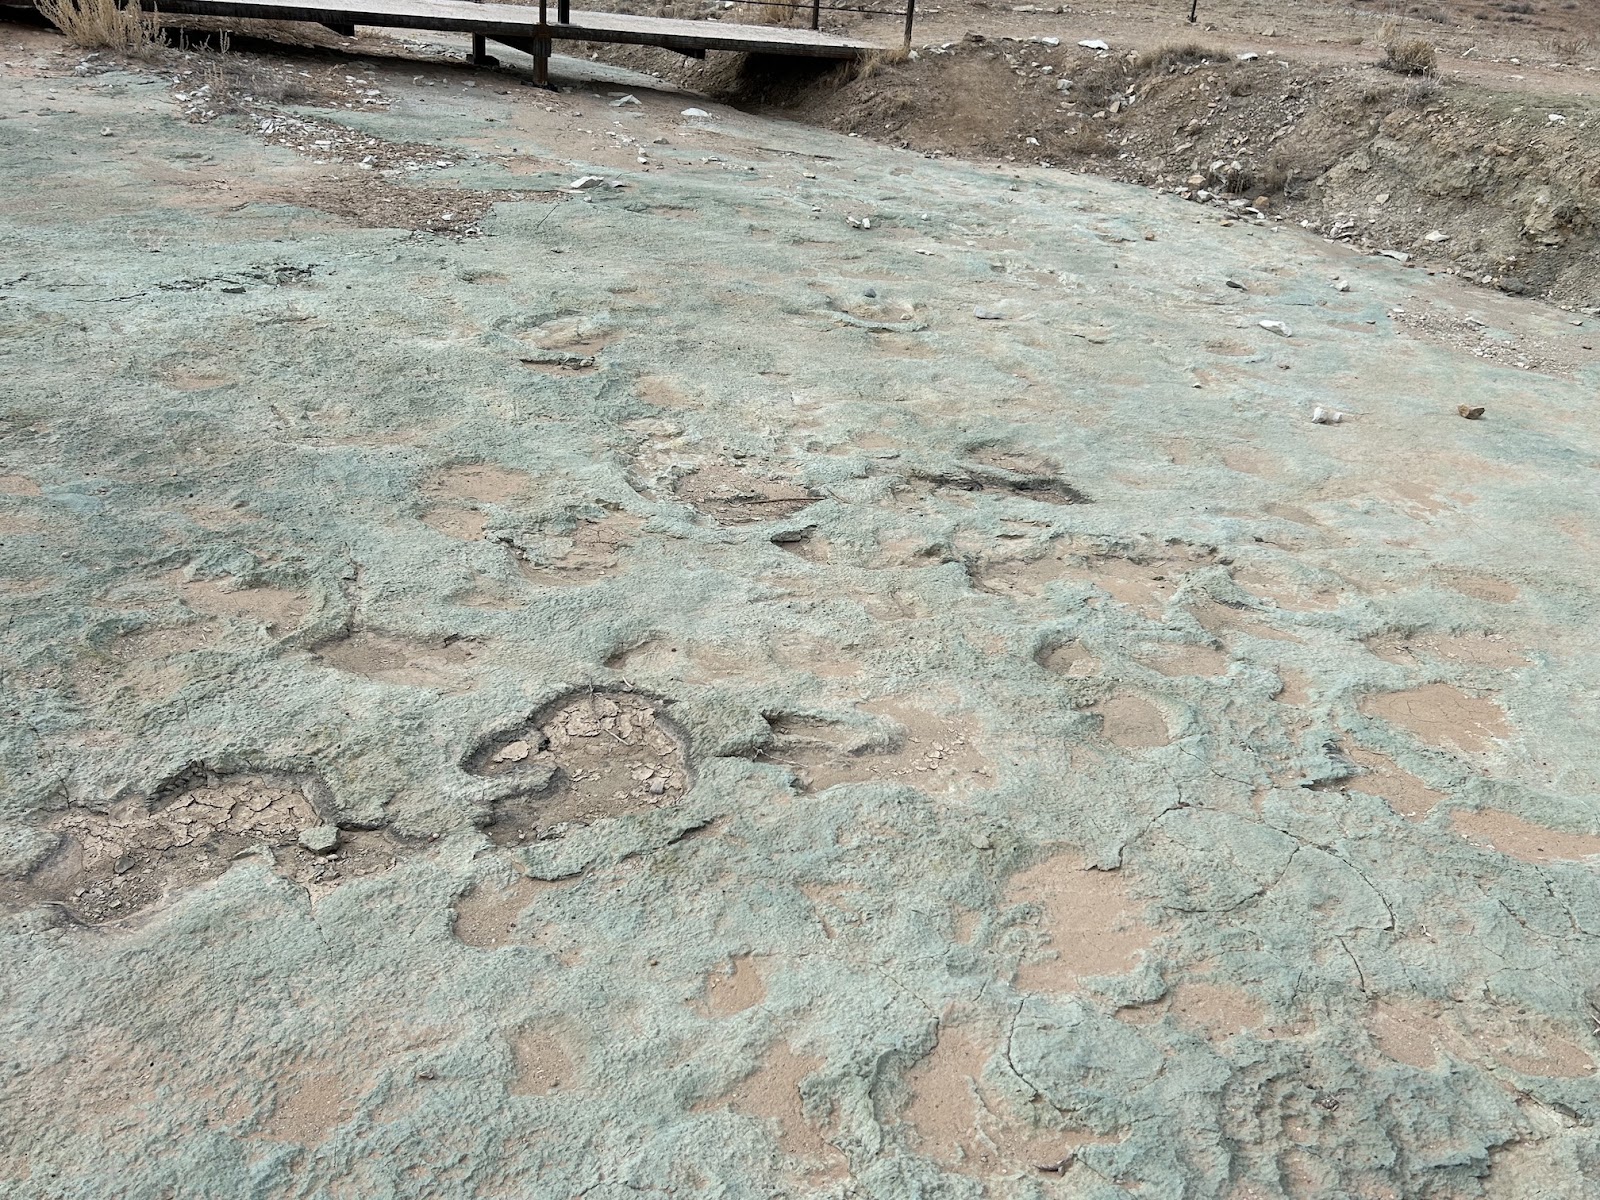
<point>1414,56</point>
<point>103,25</point>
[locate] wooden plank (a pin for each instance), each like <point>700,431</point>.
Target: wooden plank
<point>496,20</point>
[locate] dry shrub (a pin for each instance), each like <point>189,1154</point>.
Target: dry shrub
<point>781,14</point>
<point>1187,54</point>
<point>871,63</point>
<point>1419,93</point>
<point>236,82</point>
<point>1570,50</point>
<point>103,25</point>
<point>1082,141</point>
<point>1414,56</point>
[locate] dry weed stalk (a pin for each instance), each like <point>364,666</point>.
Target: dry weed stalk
<point>104,25</point>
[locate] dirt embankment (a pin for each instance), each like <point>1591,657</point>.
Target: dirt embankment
<point>1499,185</point>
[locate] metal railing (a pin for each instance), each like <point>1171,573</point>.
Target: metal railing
<point>539,44</point>
<point>816,8</point>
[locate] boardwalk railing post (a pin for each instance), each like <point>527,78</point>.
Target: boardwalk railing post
<point>564,11</point>
<point>541,48</point>
<point>816,14</point>
<point>911,12</point>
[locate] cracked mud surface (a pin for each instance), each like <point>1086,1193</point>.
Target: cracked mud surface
<point>765,753</point>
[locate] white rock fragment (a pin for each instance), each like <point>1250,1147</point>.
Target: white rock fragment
<point>1277,327</point>
<point>624,101</point>
<point>695,112</point>
<point>1325,416</point>
<point>584,182</point>
<point>1094,44</point>
<point>515,751</point>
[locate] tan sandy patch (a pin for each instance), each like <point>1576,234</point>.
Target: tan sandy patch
<point>1285,592</point>
<point>1480,586</point>
<point>191,380</point>
<point>457,521</point>
<point>1441,715</point>
<point>544,1060</point>
<point>1070,659</point>
<point>486,915</point>
<point>732,495</point>
<point>276,608</point>
<point>1295,688</point>
<point>1248,461</point>
<point>955,1120</point>
<point>1220,619</point>
<point>1175,659</point>
<point>1141,585</point>
<point>933,752</point>
<point>1521,839</point>
<point>675,658</point>
<point>807,544</point>
<point>735,989</point>
<point>1219,1010</point>
<point>1131,722</point>
<point>659,392</point>
<point>805,653</point>
<point>1474,649</point>
<point>484,483</point>
<point>309,1107</point>
<point>1091,920</point>
<point>1384,778</point>
<point>593,550</point>
<point>772,1093</point>
<point>446,666</point>
<point>1413,1031</point>
<point>1405,1031</point>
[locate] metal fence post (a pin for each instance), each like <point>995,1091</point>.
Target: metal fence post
<point>911,12</point>
<point>816,14</point>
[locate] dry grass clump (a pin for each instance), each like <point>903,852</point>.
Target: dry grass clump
<point>1413,56</point>
<point>1570,50</point>
<point>1187,54</point>
<point>873,61</point>
<point>234,83</point>
<point>104,25</point>
<point>784,12</point>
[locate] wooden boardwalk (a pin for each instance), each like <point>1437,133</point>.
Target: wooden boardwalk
<point>521,26</point>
